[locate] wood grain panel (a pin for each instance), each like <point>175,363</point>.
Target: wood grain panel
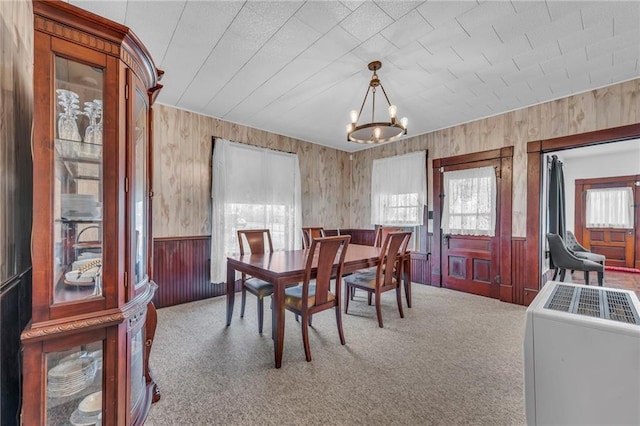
<point>182,176</point>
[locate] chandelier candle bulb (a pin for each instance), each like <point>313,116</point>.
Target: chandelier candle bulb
<point>393,110</point>
<point>403,122</point>
<point>354,116</point>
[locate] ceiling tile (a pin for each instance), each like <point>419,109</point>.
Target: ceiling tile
<point>114,10</point>
<point>322,15</point>
<point>397,8</point>
<point>192,42</point>
<point>626,17</point>
<point>541,53</point>
<point>510,49</point>
<point>441,13</point>
<point>526,20</point>
<point>590,35</point>
<point>483,16</point>
<point>606,46</point>
<point>568,24</point>
<point>366,21</point>
<point>292,39</point>
<point>407,29</point>
<point>166,16</point>
<point>375,48</point>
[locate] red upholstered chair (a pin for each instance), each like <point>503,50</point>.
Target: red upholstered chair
<point>312,297</point>
<point>387,276</point>
<point>256,239</point>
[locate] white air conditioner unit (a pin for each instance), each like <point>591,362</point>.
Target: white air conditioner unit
<point>582,356</point>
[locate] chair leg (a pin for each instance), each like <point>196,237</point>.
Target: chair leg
<point>310,317</point>
<point>347,295</point>
<point>586,277</point>
<point>260,314</point>
<point>600,278</point>
<point>407,292</point>
<point>353,292</point>
<point>562,274</point>
<point>555,274</point>
<point>399,298</point>
<point>369,298</point>
<point>244,301</point>
<point>339,322</point>
<point>378,308</point>
<point>305,337</point>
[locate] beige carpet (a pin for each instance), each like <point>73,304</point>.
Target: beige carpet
<point>454,359</point>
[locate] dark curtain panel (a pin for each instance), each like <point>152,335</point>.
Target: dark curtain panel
<point>556,203</point>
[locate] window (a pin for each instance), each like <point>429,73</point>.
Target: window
<point>398,190</point>
<point>469,206</point>
<point>610,208</point>
<point>252,188</point>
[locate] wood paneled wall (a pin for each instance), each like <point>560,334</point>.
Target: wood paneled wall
<point>611,106</point>
<point>16,112</point>
<point>182,173</point>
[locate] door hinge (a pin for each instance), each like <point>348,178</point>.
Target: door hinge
<point>497,279</point>
<point>126,184</point>
<point>126,280</point>
<point>126,91</point>
<point>150,194</point>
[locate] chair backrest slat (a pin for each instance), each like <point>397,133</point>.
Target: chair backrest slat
<point>309,233</point>
<point>326,250</point>
<point>381,234</point>
<point>394,247</point>
<point>255,239</point>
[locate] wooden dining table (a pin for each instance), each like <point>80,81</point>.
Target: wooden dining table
<point>284,268</point>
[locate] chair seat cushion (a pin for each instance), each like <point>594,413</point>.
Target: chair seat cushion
<point>259,287</point>
<point>590,256</point>
<point>364,280</point>
<point>293,296</point>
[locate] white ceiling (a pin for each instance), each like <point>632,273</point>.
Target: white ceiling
<point>298,67</point>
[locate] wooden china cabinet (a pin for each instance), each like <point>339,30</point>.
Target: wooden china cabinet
<point>86,350</point>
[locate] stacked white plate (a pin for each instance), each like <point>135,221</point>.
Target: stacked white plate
<point>79,206</point>
<point>89,411</point>
<point>71,375</point>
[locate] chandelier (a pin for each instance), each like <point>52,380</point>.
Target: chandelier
<point>376,132</point>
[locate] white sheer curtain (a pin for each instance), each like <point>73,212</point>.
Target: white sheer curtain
<point>398,190</point>
<point>252,188</point>
<point>470,202</point>
<point>610,208</point>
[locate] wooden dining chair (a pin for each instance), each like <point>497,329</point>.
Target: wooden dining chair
<point>387,276</point>
<point>312,297</point>
<point>256,240</point>
<point>309,233</point>
<point>378,239</point>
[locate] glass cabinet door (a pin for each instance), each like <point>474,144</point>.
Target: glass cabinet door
<point>140,203</point>
<point>78,181</point>
<point>74,385</point>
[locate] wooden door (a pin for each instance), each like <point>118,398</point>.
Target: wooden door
<point>618,245</point>
<point>472,263</point>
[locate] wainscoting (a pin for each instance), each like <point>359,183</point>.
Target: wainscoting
<point>518,270</point>
<point>181,270</point>
<point>181,267</point>
<point>15,306</point>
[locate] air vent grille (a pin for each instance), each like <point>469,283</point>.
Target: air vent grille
<point>594,302</point>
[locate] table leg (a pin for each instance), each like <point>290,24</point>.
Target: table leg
<point>407,279</point>
<point>278,317</point>
<point>231,292</point>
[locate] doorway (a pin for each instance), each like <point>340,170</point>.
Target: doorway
<point>608,196</point>
<point>478,264</point>
<point>534,253</point>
